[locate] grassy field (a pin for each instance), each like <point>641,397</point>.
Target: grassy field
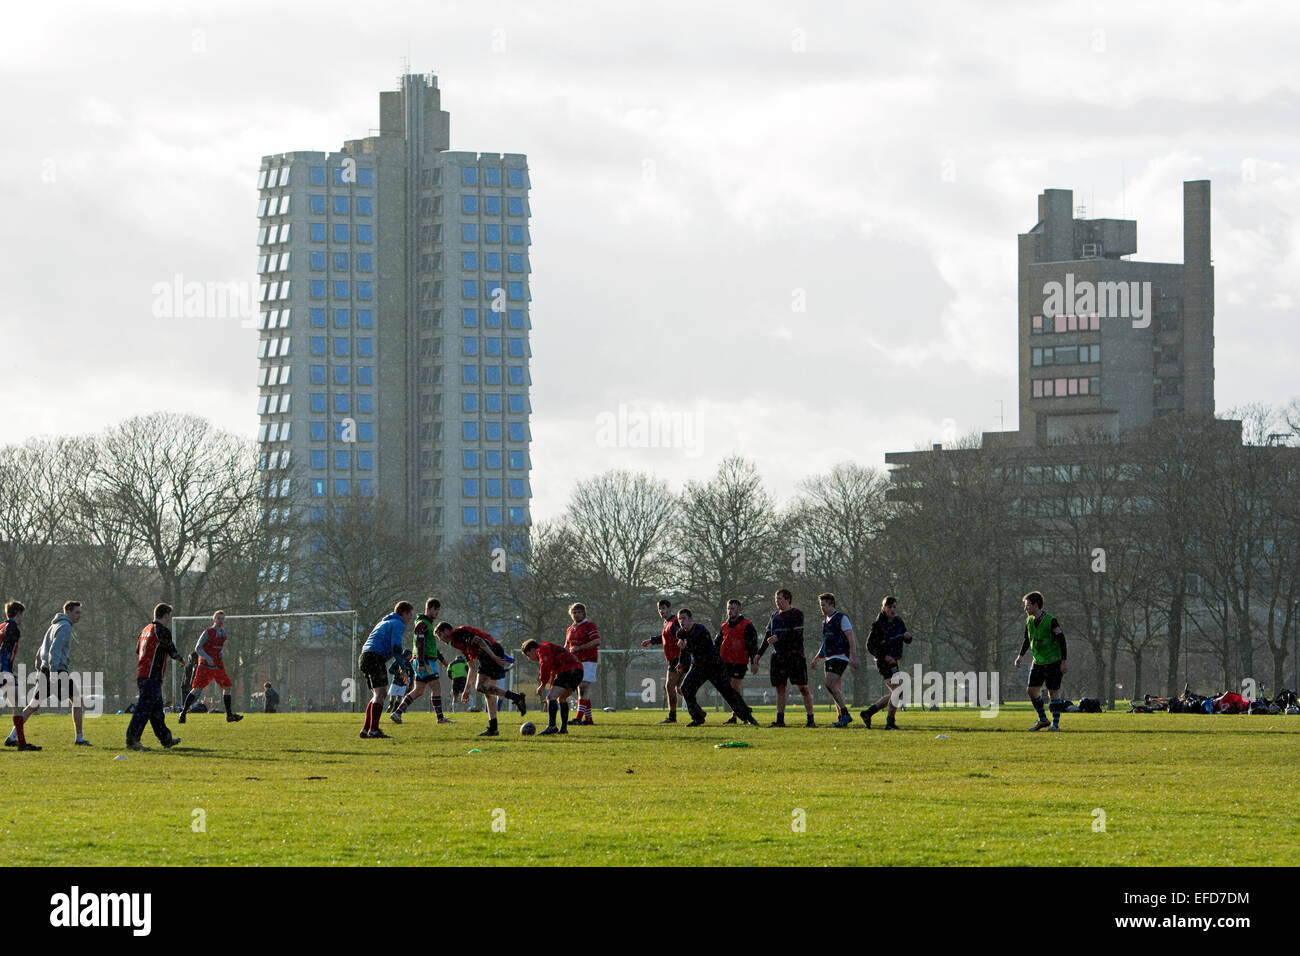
<point>950,788</point>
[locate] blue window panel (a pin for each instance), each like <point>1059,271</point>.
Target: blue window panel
<point>341,346</point>
<point>318,175</point>
<point>317,345</point>
<point>517,460</point>
<point>492,346</point>
<point>468,345</point>
<point>493,460</point>
<point>517,516</point>
<point>366,375</point>
<point>318,261</point>
<point>342,374</point>
<point>516,291</point>
<point>342,289</point>
<point>516,262</point>
<point>365,346</point>
<point>318,487</point>
<point>366,487</point>
<point>365,291</point>
<point>340,232</point>
<point>469,431</point>
<point>469,317</point>
<point>493,374</point>
<point>517,432</point>
<point>492,205</point>
<point>493,403</point>
<point>318,318</point>
<point>469,176</point>
<point>365,403</point>
<point>492,262</point>
<point>365,262</point>
<point>341,318</point>
<point>342,487</point>
<point>317,544</point>
<point>365,431</point>
<point>317,288</point>
<point>468,402</point>
<point>490,290</point>
<point>469,261</point>
<point>365,319</point>
<point>471,459</point>
<point>492,177</point>
<point>341,460</point>
<point>468,289</point>
<point>318,431</point>
<point>516,375</point>
<point>493,431</point>
<point>492,487</point>
<point>342,403</point>
<point>338,176</point>
<point>469,516</point>
<point>316,204</point>
<point>340,205</point>
<point>341,261</point>
<point>516,318</point>
<point>365,176</point>
<point>316,231</point>
<point>318,374</point>
<point>318,459</point>
<point>469,487</point>
<point>317,515</point>
<point>515,206</point>
<point>493,516</point>
<point>516,346</point>
<point>493,319</point>
<point>517,488</point>
<point>469,204</point>
<point>469,232</point>
<point>366,461</point>
<point>515,235</point>
<point>318,401</point>
<point>491,233</point>
<point>515,177</point>
<point>517,403</point>
<point>469,374</point>
<point>365,206</point>
<point>365,233</point>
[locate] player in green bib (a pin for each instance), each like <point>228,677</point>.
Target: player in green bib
<point>1046,640</point>
<point>458,671</point>
<point>426,658</point>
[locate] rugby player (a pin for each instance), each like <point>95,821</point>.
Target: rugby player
<point>384,642</point>
<point>426,658</point>
<point>583,642</point>
<point>672,654</point>
<point>785,636</point>
<point>211,651</point>
<point>885,644</point>
<point>706,667</point>
<point>839,650</point>
<point>562,671</point>
<point>487,665</point>
<point>1045,638</point>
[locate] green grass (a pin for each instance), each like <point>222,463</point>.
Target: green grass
<point>303,790</point>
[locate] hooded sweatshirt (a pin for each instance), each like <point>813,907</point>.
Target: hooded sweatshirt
<point>56,644</point>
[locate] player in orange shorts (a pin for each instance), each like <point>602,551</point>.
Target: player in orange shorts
<point>212,667</point>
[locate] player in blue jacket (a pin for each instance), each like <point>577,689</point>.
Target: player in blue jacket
<point>383,644</point>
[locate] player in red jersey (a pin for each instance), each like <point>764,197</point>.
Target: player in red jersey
<point>737,646</point>
<point>211,667</point>
<point>562,671</point>
<point>582,641</point>
<point>9,636</point>
<point>487,665</point>
<point>672,654</point>
<point>155,647</point>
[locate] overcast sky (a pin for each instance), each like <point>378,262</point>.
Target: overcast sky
<point>699,172</point>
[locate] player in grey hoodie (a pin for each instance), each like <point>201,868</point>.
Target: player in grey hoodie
<point>52,659</point>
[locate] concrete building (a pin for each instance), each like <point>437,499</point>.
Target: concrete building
<point>394,344</point>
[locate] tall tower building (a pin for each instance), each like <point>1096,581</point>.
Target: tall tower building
<point>1105,341</point>
<point>394,328</point>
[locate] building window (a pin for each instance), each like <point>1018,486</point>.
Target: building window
<point>517,488</point>
<point>493,460</point>
<point>492,177</point>
<point>492,488</point>
<point>365,176</point>
<point>365,206</point>
<point>468,402</point>
<point>341,205</point>
<point>316,231</point>
<point>318,374</point>
<point>516,290</point>
<point>366,403</point>
<point>492,205</point>
<point>468,289</point>
<point>342,403</point>
<point>515,235</point>
<point>493,374</point>
<point>469,232</point>
<point>340,318</point>
<point>493,516</point>
<point>517,460</point>
<point>493,431</point>
<point>366,460</point>
<point>342,374</point>
<point>469,516</point>
<point>365,319</point>
<point>469,374</point>
<point>469,487</point>
<point>492,262</point>
<point>318,431</point>
<point>318,459</point>
<point>365,262</point>
<point>365,375</point>
<point>468,345</point>
<point>317,345</point>
<point>365,431</point>
<point>492,403</point>
<point>515,206</point>
<point>516,375</point>
<point>491,233</point>
<point>469,176</point>
<point>516,177</point>
<point>469,261</point>
<point>365,347</point>
<point>318,487</point>
<point>317,205</point>
<point>318,288</point>
<point>470,459</point>
<point>318,175</point>
<point>342,487</point>
<point>318,402</point>
<point>365,234</point>
<point>366,487</point>
<point>469,205</point>
<point>517,431</point>
<point>516,262</point>
<point>469,431</point>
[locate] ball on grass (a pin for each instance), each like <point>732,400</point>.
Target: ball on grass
<point>528,728</point>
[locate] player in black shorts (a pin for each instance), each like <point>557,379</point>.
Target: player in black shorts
<point>840,650</point>
<point>885,643</point>
<point>564,672</point>
<point>1044,636</point>
<point>785,636</point>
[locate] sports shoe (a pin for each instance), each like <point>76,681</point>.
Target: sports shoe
<point>28,747</point>
<point>672,719</point>
<point>364,735</point>
<point>83,742</point>
<point>491,732</point>
<point>843,720</point>
<point>11,741</point>
<point>1056,727</point>
<point>445,720</point>
<point>890,725</point>
<point>135,745</point>
<point>519,702</point>
<point>549,731</point>
<point>1041,724</point>
<point>171,742</point>
<point>696,723</point>
<point>232,718</point>
<point>777,723</point>
<point>730,720</point>
<point>395,717</point>
<point>379,733</point>
<point>751,721</point>
<point>811,722</point>
<point>564,730</point>
<point>866,717</point>
<point>180,718</point>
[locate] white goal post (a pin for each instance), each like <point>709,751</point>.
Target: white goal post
<point>279,615</point>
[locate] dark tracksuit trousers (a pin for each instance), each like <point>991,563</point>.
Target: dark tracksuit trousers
<point>710,672</point>
<point>149,709</point>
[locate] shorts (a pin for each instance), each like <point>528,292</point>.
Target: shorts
<point>372,666</point>
<point>589,672</point>
<point>457,686</point>
<point>1049,673</point>
<point>61,685</point>
<point>836,665</point>
<point>426,673</point>
<point>569,679</point>
<point>887,671</point>
<point>672,666</point>
<point>203,676</point>
<point>789,669</point>
<point>734,671</point>
<point>490,669</point>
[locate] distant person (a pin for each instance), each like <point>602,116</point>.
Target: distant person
<point>270,697</point>
<point>672,655</point>
<point>425,657</point>
<point>488,663</point>
<point>457,670</point>
<point>737,646</point>
<point>9,636</point>
<point>583,641</point>
<point>383,644</point>
<point>839,650</point>
<point>563,672</point>
<point>1046,640</point>
<point>885,644</point>
<point>211,668</point>
<point>154,648</point>
<point>706,667</point>
<point>785,636</point>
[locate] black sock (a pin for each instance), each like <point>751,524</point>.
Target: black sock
<point>492,724</point>
<point>190,698</point>
<point>1038,706</point>
<point>552,708</point>
<point>226,700</point>
<point>564,714</point>
<point>437,706</point>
